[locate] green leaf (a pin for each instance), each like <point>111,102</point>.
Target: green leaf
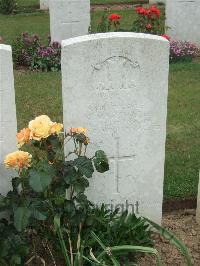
<point>101,161</point>
<point>4,248</point>
<point>38,211</point>
<point>21,218</point>
<point>84,165</point>
<point>69,208</point>
<point>39,215</point>
<point>39,180</point>
<point>81,185</point>
<point>16,260</point>
<point>69,174</point>
<point>59,195</point>
<point>56,222</point>
<point>61,239</point>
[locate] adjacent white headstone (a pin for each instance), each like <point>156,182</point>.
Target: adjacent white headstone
<point>69,18</point>
<point>8,124</point>
<point>44,4</point>
<point>198,203</point>
<point>183,18</point>
<point>157,1</point>
<point>116,85</point>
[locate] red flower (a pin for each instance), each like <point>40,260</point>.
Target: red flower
<point>155,11</point>
<point>114,17</point>
<point>141,10</point>
<point>148,26</point>
<point>166,36</point>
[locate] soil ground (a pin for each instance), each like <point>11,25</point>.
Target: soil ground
<point>183,224</point>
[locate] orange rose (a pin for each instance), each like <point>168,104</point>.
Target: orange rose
<point>18,160</point>
<point>78,130</point>
<point>56,128</point>
<point>23,137</point>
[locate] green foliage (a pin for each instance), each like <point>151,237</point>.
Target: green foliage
<point>145,20</point>
<point>28,51</point>
<point>39,180</point>
<point>101,162</point>
<point>116,228</point>
<point>13,245</point>
<point>109,252</point>
<point>52,188</point>
<point>149,20</point>
<point>104,24</point>
<point>7,6</point>
<point>21,218</point>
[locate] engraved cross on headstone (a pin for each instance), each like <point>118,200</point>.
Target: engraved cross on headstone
<point>116,159</point>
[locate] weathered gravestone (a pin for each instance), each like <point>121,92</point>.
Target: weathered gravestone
<point>183,18</point>
<point>69,18</point>
<point>44,4</point>
<point>116,85</point>
<point>8,124</point>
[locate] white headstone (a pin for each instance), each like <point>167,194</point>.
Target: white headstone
<point>157,2</point>
<point>198,203</point>
<point>183,18</point>
<point>69,18</point>
<point>116,85</point>
<point>44,4</point>
<point>8,124</point>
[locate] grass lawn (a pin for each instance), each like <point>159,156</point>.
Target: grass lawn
<point>36,2</point>
<point>38,93</point>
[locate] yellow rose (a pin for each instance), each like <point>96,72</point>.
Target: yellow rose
<point>18,160</point>
<point>56,128</point>
<point>40,127</point>
<point>23,137</point>
<point>78,130</point>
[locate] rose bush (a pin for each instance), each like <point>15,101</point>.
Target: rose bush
<point>48,205</point>
<point>148,20</point>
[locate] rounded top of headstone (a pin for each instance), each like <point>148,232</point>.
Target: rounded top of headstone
<point>5,47</point>
<point>110,35</point>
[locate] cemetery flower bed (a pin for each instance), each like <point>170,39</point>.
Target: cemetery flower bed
<point>28,51</point>
<point>44,218</point>
<point>148,20</point>
<point>182,51</point>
